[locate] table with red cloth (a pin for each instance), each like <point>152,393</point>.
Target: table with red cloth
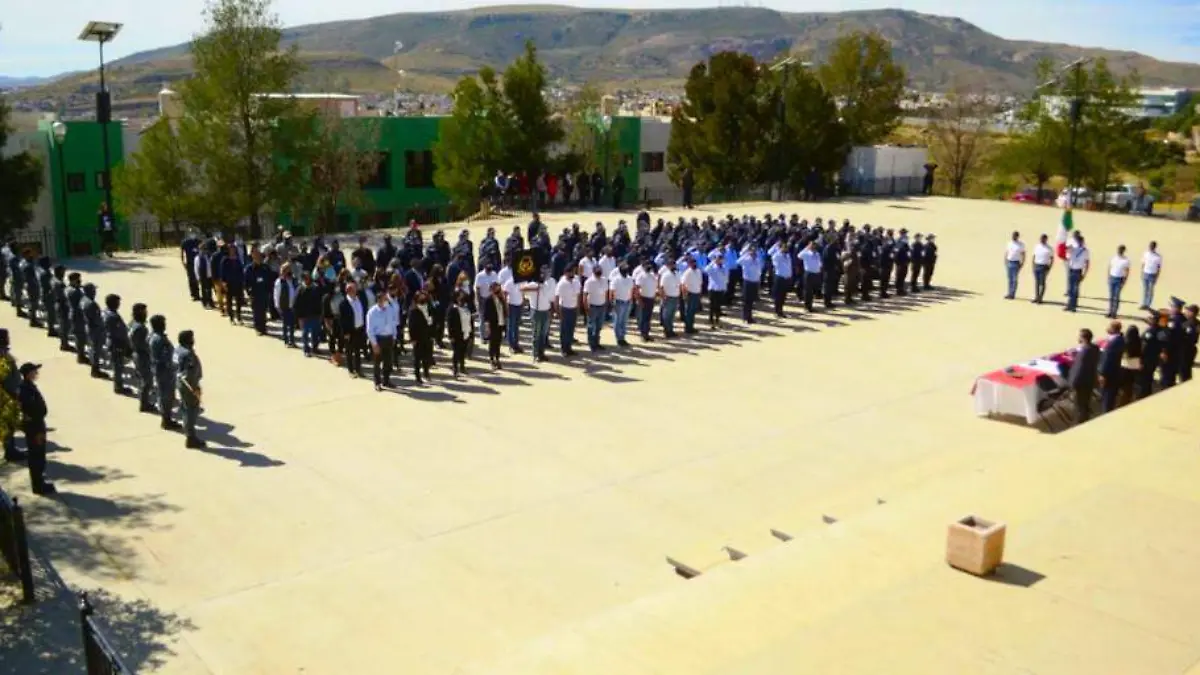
<point>1015,390</point>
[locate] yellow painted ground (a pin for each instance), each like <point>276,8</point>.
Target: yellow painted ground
<point>521,523</point>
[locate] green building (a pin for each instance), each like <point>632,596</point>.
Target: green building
<point>76,183</point>
<point>402,190</point>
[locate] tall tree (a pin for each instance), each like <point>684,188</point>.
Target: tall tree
<point>587,144</point>
<point>959,135</point>
<point>156,179</point>
<point>805,136</point>
<point>232,131</point>
<point>329,162</point>
<point>1107,140</point>
<point>867,83</point>
<point>718,128</point>
<point>20,181</point>
<point>470,145</point>
<point>1037,138</point>
<point>534,127</point>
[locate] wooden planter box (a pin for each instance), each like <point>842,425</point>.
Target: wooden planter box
<point>975,545</point>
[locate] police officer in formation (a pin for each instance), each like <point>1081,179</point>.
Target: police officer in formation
<point>139,343</point>
<point>116,339</point>
<point>58,295</point>
<point>188,373</point>
<point>33,289</point>
<point>93,319</point>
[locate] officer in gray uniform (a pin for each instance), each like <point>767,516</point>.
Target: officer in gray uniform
<point>187,376</point>
<point>139,341</point>
<point>62,311</point>
<point>6,254</point>
<point>93,323</point>
<point>116,337</point>
<point>18,281</point>
<point>75,298</point>
<point>161,354</point>
<point>48,307</point>
<point>33,291</point>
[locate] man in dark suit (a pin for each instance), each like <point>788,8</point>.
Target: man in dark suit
<point>1081,378</point>
<point>1110,367</point>
<point>420,330</point>
<point>352,322</point>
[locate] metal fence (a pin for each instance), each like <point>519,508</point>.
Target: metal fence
<point>100,657</point>
<point>14,543</point>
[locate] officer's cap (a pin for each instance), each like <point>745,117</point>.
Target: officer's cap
<point>27,368</point>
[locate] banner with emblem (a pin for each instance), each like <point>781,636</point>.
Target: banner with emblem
<point>527,263</point>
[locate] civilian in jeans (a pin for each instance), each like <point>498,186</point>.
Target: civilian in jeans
<point>1043,260</point>
<point>307,311</point>
<point>718,282</point>
<point>1079,259</point>
<point>595,293</point>
<point>515,298</point>
<point>647,286</point>
<point>1151,267</point>
<point>566,304</point>
<point>1118,273</point>
<point>620,293</point>
<point>285,298</point>
<point>1014,260</point>
<point>542,302</point>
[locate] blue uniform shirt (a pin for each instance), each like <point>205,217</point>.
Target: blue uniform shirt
<point>718,277</point>
<point>751,267</point>
<point>781,261</point>
<point>811,260</point>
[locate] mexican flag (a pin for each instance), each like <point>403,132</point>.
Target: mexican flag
<point>1064,232</point>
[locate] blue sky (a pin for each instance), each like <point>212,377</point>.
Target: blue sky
<point>38,38</point>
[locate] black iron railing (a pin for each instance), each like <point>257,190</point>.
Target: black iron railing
<point>99,655</point>
<point>14,543</point>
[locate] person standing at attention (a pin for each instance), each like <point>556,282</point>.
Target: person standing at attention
<point>1079,259</point>
<point>542,302</point>
<point>810,258</point>
<point>188,373</point>
<point>285,303</point>
<point>752,268</point>
<point>1151,268</point>
<point>1111,374</point>
<point>1083,373</point>
<point>1118,273</point>
<point>494,318</point>
<point>781,283</point>
<point>620,294</point>
<point>420,331</point>
<point>1014,260</point>
<point>595,293</point>
<point>381,333</point>
<point>352,320</point>
<point>646,286</point>
<point>669,289</point>
<point>1043,260</point>
<point>692,283</point>
<point>33,412</point>
<point>566,306</point>
<point>718,283</point>
<point>460,326</point>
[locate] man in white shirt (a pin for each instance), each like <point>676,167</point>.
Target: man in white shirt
<point>381,333</point>
<point>620,293</point>
<point>669,288</point>
<point>586,265</point>
<point>515,297</point>
<point>1043,260</point>
<point>1079,259</point>
<point>542,301</point>
<point>692,283</point>
<point>595,293</point>
<point>608,264</point>
<point>1151,268</point>
<point>646,288</point>
<point>483,291</point>
<point>1014,260</point>
<point>1118,273</point>
<point>566,306</point>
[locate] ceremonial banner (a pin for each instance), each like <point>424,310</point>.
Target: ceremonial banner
<point>1064,231</point>
<point>527,264</point>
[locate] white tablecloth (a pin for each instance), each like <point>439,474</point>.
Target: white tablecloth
<point>1046,366</point>
<point>992,398</point>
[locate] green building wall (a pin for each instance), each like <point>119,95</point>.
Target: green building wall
<point>82,167</point>
<point>628,133</point>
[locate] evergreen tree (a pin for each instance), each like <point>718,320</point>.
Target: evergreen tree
<point>861,75</point>
<point>20,181</point>
<point>156,180</point>
<point>805,134</point>
<point>470,146</point>
<point>534,129</point>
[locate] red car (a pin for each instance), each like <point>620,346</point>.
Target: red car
<point>1029,195</point>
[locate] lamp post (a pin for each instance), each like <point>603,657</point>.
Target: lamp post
<point>101,32</point>
<point>1075,110</point>
<point>58,135</point>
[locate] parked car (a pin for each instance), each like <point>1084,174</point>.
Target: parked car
<point>1119,197</point>
<point>1083,198</point>
<point>1029,195</point>
<point>1193,212</point>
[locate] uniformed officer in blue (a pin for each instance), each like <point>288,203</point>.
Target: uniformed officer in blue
<point>62,311</point>
<point>116,335</point>
<point>162,364</point>
<point>139,340</point>
<point>75,298</point>
<point>188,373</point>
<point>93,322</point>
<point>903,258</point>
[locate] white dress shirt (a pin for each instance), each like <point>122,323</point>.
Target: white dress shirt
<point>504,275</point>
<point>622,288</point>
<point>543,298</point>
<point>1079,257</point>
<point>693,280</point>
<point>646,282</point>
<point>513,292</point>
<point>669,282</point>
<point>483,283</point>
<point>608,265</point>
<point>380,323</point>
<point>1118,266</point>
<point>595,289</point>
<point>1151,262</point>
<point>1042,254</point>
<point>567,293</point>
<point>1014,252</point>
<point>586,266</point>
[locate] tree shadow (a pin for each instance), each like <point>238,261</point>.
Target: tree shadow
<point>120,263</point>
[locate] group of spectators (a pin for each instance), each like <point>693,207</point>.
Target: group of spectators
<point>549,190</point>
<point>370,304</point>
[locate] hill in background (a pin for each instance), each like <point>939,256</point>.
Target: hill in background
<point>632,48</point>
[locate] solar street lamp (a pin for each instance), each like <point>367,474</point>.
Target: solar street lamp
<point>102,32</point>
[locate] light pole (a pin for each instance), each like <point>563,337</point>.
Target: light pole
<point>101,32</point>
<point>58,135</point>
<point>1075,110</point>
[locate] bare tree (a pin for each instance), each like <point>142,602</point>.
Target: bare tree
<point>958,134</point>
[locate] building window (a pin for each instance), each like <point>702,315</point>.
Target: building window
<point>101,180</point>
<point>422,216</point>
<point>76,182</point>
<point>379,220</point>
<point>418,168</point>
<point>652,162</point>
<point>381,177</point>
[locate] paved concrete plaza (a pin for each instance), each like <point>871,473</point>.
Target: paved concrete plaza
<point>520,522</point>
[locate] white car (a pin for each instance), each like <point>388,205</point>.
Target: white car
<point>1119,197</point>
<point>1083,198</point>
